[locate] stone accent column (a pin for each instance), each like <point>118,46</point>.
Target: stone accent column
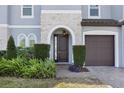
<point>4,35</point>
<point>69,19</point>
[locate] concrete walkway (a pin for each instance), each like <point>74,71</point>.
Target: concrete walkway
<point>109,75</point>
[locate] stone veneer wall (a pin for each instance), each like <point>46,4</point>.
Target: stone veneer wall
<point>70,20</point>
<point>4,35</point>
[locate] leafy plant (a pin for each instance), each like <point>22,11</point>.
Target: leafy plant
<point>39,69</point>
<point>11,48</point>
<point>11,67</point>
<point>33,68</point>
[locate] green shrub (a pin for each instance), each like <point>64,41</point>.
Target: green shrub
<point>39,69</point>
<point>33,68</point>
<point>79,53</point>
<point>18,65</point>
<point>11,48</point>
<point>11,67</point>
<point>2,54</point>
<point>41,51</point>
<point>27,53</point>
<point>49,69</point>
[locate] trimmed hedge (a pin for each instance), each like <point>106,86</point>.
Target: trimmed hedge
<point>11,48</point>
<point>79,53</point>
<point>41,51</point>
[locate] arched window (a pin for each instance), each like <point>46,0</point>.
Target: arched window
<point>32,39</point>
<point>21,40</point>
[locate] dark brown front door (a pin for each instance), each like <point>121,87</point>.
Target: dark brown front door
<point>61,48</point>
<point>99,50</point>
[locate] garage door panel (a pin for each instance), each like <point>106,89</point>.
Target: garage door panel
<point>99,50</point>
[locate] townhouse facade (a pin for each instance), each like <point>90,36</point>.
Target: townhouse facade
<point>98,27</point>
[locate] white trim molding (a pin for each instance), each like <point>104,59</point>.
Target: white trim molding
<point>22,16</point>
<point>61,11</point>
<point>24,26</point>
<point>71,33</point>
<point>94,17</point>
<point>116,41</point>
<point>20,26</point>
<point>61,26</point>
<point>3,25</point>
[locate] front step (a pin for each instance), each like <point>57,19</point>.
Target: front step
<point>62,62</point>
<point>62,66</point>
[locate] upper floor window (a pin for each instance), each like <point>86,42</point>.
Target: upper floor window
<point>27,11</point>
<point>94,11</point>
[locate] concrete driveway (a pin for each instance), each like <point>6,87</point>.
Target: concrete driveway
<point>107,74</point>
<point>110,75</point>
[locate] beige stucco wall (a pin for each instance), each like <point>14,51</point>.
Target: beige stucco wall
<point>51,20</point>
<point>4,35</point>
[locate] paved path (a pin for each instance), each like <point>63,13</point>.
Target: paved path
<point>109,75</point>
<point>62,71</point>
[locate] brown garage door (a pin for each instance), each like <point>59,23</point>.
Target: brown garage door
<point>99,50</point>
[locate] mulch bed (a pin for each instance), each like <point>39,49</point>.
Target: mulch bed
<point>74,68</point>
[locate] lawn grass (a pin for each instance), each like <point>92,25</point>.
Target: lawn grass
<point>12,82</point>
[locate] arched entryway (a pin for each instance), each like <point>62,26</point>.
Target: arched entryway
<point>61,41</point>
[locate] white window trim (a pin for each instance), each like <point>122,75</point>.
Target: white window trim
<point>35,38</point>
<point>18,39</point>
<point>26,39</point>
<point>22,16</point>
<point>94,17</point>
